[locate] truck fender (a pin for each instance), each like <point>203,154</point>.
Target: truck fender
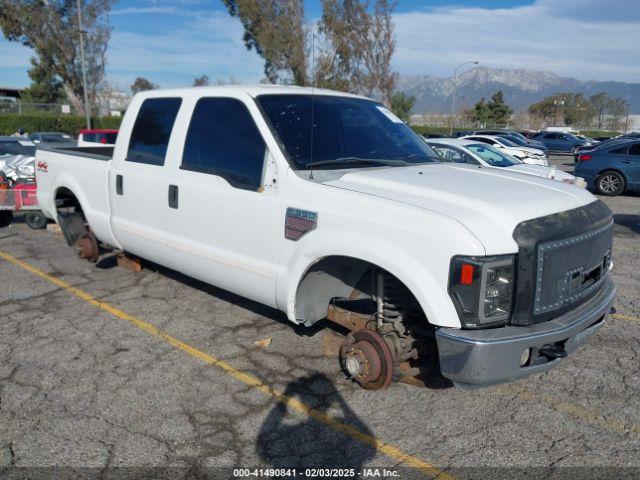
<point>385,255</point>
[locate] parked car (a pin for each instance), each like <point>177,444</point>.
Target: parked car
<point>434,135</point>
<point>526,142</point>
<point>326,205</point>
<point>528,133</point>
<point>55,139</point>
<point>585,148</point>
<point>475,153</point>
<point>529,155</point>
<point>559,141</point>
<point>512,135</point>
<point>463,133</point>
<point>589,143</point>
<point>97,137</point>
<point>613,169</point>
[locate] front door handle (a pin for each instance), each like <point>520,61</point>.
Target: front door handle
<point>119,184</point>
<point>173,196</point>
<point>626,161</point>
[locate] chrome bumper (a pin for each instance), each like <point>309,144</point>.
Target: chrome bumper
<point>485,357</point>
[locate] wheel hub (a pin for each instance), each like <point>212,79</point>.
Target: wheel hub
<point>87,247</point>
<point>367,359</point>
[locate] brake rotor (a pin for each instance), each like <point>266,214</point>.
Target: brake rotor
<point>367,359</point>
<point>87,247</point>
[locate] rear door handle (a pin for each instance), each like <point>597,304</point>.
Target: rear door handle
<point>173,196</point>
<point>119,184</point>
<point>626,161</point>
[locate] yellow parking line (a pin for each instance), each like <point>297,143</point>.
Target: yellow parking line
<point>246,378</point>
<point>592,416</point>
<point>626,317</point>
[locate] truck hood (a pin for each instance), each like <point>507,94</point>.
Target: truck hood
<point>489,202</point>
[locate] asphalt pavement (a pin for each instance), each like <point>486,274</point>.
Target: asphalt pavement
<point>108,372</point>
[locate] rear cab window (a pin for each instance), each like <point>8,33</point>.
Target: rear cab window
<point>152,130</point>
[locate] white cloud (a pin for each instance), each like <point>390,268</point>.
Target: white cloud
<point>208,44</point>
<point>544,36</point>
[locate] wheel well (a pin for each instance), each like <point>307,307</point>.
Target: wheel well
<point>611,170</point>
<point>336,277</point>
<point>66,202</point>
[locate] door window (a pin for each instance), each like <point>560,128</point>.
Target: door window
<point>152,130</point>
<point>223,140</point>
<point>620,150</point>
<point>634,149</point>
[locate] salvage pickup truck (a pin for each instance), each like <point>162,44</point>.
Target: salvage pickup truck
<point>328,207</point>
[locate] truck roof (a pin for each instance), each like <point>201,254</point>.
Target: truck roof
<point>252,90</point>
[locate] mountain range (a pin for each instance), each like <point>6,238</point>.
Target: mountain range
<point>521,88</point>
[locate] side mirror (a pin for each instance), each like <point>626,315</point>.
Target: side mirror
<point>36,141</point>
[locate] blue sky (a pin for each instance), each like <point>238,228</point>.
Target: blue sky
<point>173,41</point>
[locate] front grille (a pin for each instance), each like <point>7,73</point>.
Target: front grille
<point>559,258</point>
<point>572,268</point>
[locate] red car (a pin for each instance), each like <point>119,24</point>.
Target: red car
<point>96,137</point>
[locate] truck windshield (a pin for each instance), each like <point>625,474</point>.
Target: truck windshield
<point>347,132</point>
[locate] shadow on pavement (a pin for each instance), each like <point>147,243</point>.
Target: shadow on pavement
<point>632,222</point>
<point>290,440</point>
<point>110,261</point>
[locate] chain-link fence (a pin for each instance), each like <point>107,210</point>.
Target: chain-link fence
<point>13,105</point>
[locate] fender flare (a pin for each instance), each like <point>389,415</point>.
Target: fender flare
<point>419,281</point>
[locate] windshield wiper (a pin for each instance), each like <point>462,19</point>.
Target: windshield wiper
<point>413,155</point>
<point>357,160</point>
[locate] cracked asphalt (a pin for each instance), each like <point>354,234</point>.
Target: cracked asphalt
<point>90,394</point>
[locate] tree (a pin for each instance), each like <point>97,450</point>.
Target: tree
<point>547,109</point>
<point>276,31</point>
<point>379,51</point>
<point>50,28</point>
<point>343,30</point>
<point>201,81</point>
<point>141,84</point>
<point>358,44</point>
<point>600,110</point>
<point>481,113</point>
<point>498,111</point>
<point>45,86</point>
<point>578,111</point>
<point>401,105</point>
<point>352,51</point>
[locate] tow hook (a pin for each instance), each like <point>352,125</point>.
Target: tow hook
<point>552,351</point>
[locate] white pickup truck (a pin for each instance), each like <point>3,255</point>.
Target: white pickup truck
<point>326,206</point>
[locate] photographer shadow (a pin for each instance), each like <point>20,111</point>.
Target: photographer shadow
<point>288,440</point>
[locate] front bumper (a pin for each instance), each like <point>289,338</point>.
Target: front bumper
<point>485,357</point>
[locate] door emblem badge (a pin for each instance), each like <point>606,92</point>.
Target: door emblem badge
<point>299,222</point>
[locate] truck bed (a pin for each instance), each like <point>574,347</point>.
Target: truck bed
<point>96,153</point>
<point>82,172</point>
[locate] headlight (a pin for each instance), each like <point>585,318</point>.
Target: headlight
<point>482,289</point>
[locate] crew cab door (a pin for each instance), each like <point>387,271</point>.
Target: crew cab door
<point>139,179</point>
<point>225,220</point>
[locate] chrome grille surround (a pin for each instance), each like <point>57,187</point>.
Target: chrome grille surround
<point>561,262</point>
